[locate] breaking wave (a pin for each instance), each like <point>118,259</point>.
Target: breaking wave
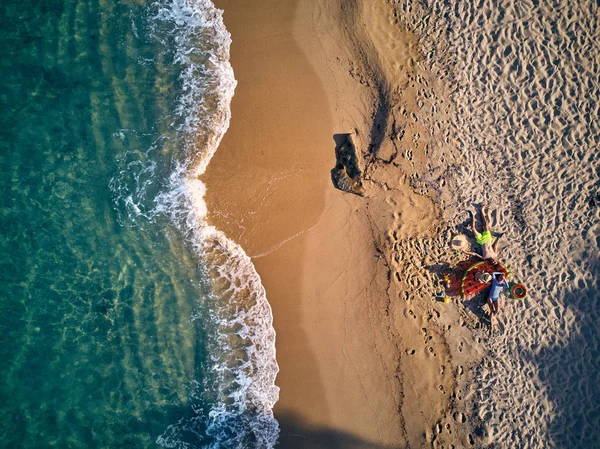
<point>233,401</point>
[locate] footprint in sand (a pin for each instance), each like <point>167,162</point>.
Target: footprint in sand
<point>391,201</point>
<point>414,282</point>
<point>460,417</point>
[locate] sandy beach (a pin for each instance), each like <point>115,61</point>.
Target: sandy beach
<point>262,224</point>
<point>371,97</point>
<point>362,364</point>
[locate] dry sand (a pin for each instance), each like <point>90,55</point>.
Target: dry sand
<point>525,77</point>
<point>362,343</point>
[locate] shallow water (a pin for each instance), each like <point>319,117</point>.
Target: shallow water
<point>524,77</point>
<point>117,326</point>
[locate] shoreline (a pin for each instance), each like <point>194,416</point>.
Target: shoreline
<point>362,361</point>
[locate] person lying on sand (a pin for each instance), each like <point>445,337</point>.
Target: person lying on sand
<point>498,284</point>
<point>489,250</point>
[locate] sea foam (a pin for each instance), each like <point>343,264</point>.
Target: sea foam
<point>240,383</point>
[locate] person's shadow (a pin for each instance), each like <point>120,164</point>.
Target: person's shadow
<point>477,304</point>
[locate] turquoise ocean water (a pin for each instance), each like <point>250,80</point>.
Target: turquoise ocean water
<point>125,321</point>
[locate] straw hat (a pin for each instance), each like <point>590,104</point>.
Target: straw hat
<point>483,277</point>
<point>459,242</point>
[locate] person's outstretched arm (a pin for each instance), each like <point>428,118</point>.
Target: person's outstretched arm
<point>505,281</point>
<point>470,253</point>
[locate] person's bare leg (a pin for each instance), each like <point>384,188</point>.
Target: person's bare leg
<point>491,307</point>
<point>495,244</point>
<point>473,228</point>
<point>496,305</point>
<point>486,218</point>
